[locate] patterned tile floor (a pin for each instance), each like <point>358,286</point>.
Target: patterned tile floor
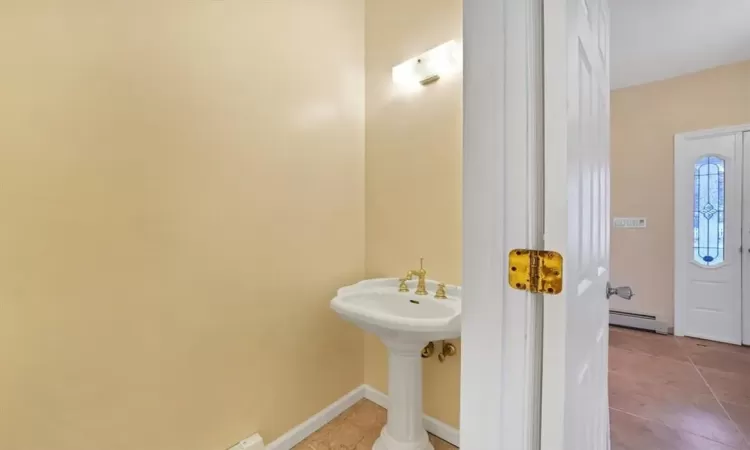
<point>665,393</point>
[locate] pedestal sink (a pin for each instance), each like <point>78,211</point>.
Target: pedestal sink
<point>405,322</point>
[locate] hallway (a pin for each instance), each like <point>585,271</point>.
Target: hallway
<point>669,393</point>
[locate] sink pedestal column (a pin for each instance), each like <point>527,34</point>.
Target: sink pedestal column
<point>405,429</point>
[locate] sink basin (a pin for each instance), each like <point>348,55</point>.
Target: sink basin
<point>378,307</point>
<point>405,322</point>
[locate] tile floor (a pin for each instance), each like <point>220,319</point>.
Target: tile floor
<point>356,429</point>
<point>669,393</point>
<point>665,393</point>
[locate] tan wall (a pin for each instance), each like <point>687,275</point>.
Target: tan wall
<point>156,288</point>
<point>182,193</point>
<point>413,173</point>
<point>644,121</point>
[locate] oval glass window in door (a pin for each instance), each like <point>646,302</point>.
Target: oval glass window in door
<point>708,211</point>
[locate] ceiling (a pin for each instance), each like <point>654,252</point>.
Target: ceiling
<point>658,39</point>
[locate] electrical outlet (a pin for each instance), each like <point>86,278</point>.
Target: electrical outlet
<point>254,442</point>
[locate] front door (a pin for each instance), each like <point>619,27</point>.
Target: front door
<point>575,412</point>
<point>708,235</point>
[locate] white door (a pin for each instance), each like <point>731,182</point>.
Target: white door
<point>575,412</point>
<point>708,236</point>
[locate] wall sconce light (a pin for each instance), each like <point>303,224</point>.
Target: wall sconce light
<point>443,60</point>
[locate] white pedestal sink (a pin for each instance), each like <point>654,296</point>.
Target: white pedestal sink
<point>405,322</point>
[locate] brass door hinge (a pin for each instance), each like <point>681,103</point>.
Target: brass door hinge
<point>538,271</point>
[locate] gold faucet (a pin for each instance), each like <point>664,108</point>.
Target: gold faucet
<point>421,274</point>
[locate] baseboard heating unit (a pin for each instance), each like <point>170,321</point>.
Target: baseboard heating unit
<point>640,321</point>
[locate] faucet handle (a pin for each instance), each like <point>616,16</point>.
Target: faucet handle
<point>402,287</point>
<point>422,270</point>
<point>441,294</point>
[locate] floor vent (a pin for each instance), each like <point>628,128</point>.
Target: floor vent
<point>639,321</point>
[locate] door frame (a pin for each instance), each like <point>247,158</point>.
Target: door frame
<point>503,138</point>
<point>746,254</point>
<point>680,276</point>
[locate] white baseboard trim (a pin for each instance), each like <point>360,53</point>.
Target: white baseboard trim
<point>298,434</point>
<point>431,424</point>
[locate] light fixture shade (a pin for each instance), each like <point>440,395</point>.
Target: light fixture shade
<point>444,60</point>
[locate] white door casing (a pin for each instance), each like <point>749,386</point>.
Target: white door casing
<point>502,152</point>
<point>708,294</point>
<point>746,241</point>
<point>575,412</point>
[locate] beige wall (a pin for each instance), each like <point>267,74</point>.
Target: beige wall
<point>644,121</point>
<point>413,169</point>
<point>182,193</point>
<point>156,288</point>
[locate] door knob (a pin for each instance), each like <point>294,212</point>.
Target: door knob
<point>622,291</point>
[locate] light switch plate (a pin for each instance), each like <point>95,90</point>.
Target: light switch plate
<point>630,222</point>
